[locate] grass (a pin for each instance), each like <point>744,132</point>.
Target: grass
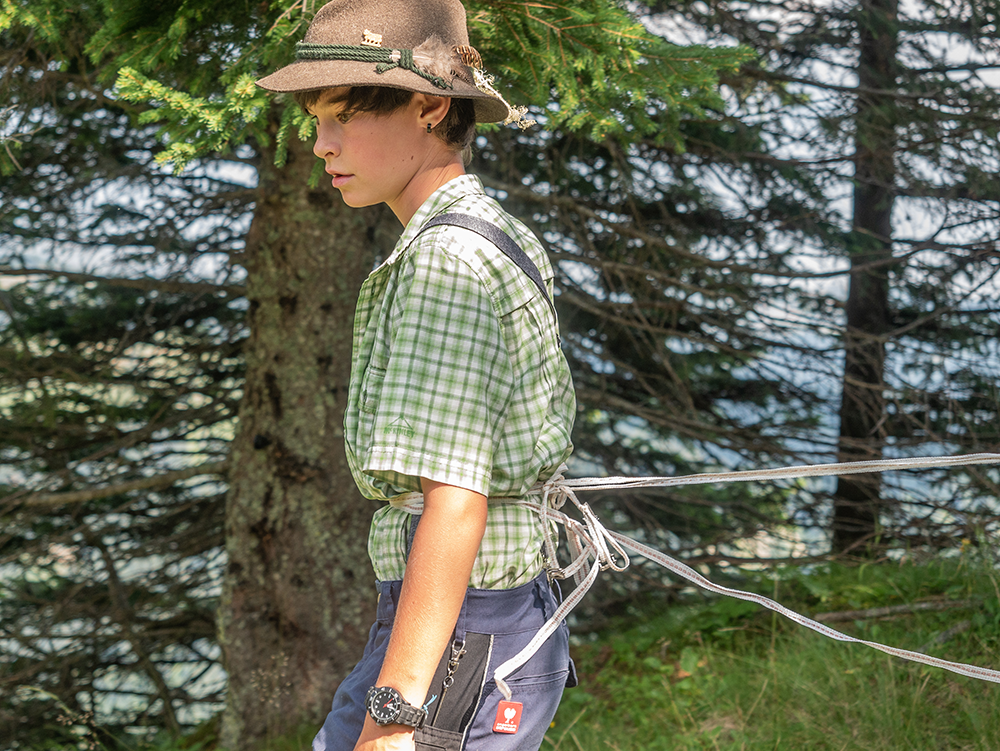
<point>726,675</point>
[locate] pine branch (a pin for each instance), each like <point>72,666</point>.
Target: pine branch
<point>164,285</point>
<point>626,230</point>
<point>125,617</point>
<point>55,500</point>
<point>899,95</point>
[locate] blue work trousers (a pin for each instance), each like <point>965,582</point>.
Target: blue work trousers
<point>494,625</point>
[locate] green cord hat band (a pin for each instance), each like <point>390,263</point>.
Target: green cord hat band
<point>386,59</point>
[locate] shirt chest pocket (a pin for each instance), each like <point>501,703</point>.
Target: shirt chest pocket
<point>371,389</point>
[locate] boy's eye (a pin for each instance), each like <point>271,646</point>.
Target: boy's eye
<point>344,117</point>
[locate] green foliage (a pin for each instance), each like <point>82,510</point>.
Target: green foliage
<point>588,67</point>
<point>197,125</point>
<point>605,74</point>
<point>706,676</point>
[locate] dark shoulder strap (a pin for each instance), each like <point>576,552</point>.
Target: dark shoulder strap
<point>502,240</point>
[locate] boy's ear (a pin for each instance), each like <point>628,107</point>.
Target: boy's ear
<point>432,109</point>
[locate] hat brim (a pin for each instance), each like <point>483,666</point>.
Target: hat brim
<point>309,75</point>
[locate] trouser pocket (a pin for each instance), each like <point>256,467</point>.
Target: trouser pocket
<point>436,739</point>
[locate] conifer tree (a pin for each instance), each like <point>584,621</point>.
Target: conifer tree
<point>120,369</point>
<point>891,106</point>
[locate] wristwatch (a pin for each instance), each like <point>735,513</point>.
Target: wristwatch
<point>387,707</point>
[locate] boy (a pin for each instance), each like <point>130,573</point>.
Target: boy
<point>459,393</point>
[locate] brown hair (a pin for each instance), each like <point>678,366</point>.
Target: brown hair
<point>457,129</point>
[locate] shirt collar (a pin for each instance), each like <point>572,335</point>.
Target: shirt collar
<point>438,202</point>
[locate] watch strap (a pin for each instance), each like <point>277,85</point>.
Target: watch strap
<point>411,715</point>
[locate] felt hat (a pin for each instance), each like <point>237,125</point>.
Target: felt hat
<point>418,45</point>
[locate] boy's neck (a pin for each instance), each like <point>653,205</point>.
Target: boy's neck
<point>423,185</point>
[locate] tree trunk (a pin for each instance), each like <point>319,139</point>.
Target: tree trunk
<point>298,596</point>
<point>857,498</point>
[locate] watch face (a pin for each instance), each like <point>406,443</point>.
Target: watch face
<point>384,705</point>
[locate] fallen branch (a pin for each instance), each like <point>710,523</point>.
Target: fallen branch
<point>891,610</point>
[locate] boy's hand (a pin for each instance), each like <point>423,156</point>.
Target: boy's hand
<point>387,738</point>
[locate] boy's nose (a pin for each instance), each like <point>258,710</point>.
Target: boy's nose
<point>325,145</point>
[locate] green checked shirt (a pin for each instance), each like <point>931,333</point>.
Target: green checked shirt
<point>457,376</point>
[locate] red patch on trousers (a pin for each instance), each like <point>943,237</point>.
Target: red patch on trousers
<point>508,717</point>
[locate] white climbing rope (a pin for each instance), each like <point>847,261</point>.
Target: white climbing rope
<point>591,544</point>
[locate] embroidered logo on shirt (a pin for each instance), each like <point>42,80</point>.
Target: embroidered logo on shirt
<point>400,426</point>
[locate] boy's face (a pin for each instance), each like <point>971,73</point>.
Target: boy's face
<point>373,158</point>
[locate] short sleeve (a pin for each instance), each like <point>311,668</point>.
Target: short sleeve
<point>448,381</point>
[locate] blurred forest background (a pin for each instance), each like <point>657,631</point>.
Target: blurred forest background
<point>776,233</point>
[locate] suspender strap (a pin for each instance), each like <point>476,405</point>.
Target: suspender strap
<point>503,241</point>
